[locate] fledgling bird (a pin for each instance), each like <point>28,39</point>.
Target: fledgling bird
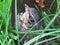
<point>27,19</point>
<point>34,15</point>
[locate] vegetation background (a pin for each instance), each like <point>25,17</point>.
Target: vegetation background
<point>8,16</point>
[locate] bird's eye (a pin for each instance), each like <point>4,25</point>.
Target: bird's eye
<point>32,21</point>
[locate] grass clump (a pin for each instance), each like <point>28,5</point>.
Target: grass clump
<point>9,36</point>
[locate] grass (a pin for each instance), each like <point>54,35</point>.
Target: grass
<point>9,35</point>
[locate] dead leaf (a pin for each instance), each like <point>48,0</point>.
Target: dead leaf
<point>40,3</point>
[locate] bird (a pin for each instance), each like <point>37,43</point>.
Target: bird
<point>27,19</point>
<point>34,14</point>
